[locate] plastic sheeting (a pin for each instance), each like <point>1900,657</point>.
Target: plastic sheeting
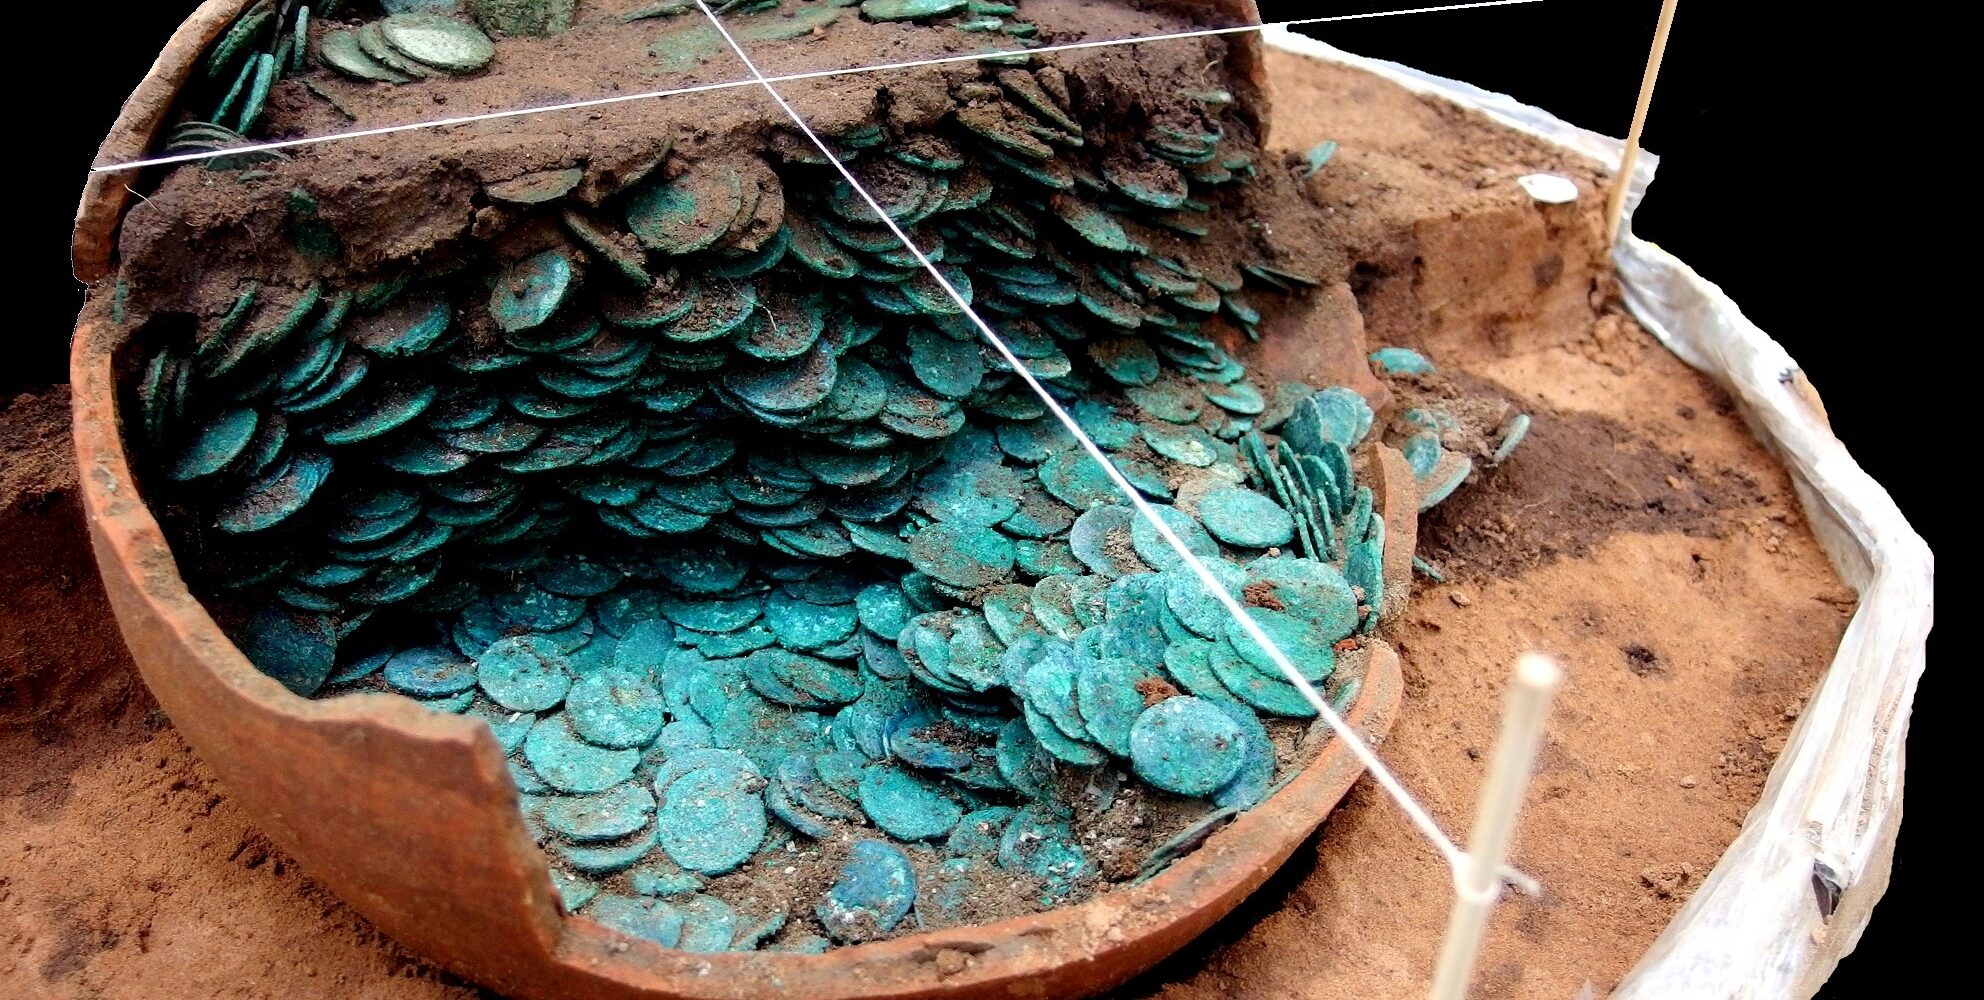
<point>1797,886</point>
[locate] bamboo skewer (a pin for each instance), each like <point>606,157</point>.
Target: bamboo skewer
<point>1615,206</point>
<point>1477,880</point>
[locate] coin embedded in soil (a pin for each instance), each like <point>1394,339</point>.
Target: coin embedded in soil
<point>1187,745</point>
<point>437,41</point>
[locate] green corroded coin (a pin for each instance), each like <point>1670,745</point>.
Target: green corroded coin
<point>977,834</point>
<point>1041,842</point>
<point>1174,402</point>
<point>1513,433</point>
<point>1187,745</point>
<point>906,806</point>
<point>711,819</point>
<point>799,776</point>
<point>1308,646</point>
<point>221,441</point>
<point>536,188</point>
<point>1078,480</point>
<point>1422,452</point>
<point>718,312</point>
<point>571,765</point>
<point>1187,445</point>
<point>441,42</point>
<point>1099,228</point>
<point>410,327</point>
<point>509,728</point>
<point>629,261</point>
<point>1245,518</point>
<point>643,645</point>
<point>948,367</point>
<point>1001,128</point>
<point>1333,416</point>
<point>882,609</point>
<point>297,650</point>
<point>608,858</point>
<point>1127,360</point>
<point>708,923</point>
<point>1152,548</point>
<point>786,387</point>
<point>1048,687</point>
<point>689,213</point>
<point>802,625</point>
<point>790,24</point>
<point>389,408</point>
<point>650,919</point>
<point>875,891</point>
<point>1315,592</point>
<point>1400,361</point>
<point>1239,398</point>
<point>614,813</point>
<point>265,70</point>
<point>1149,182</point>
<point>1444,478</point>
<point>687,46</point>
<point>1251,784</point>
<point>752,935</point>
<point>240,37</point>
<point>962,555</point>
<point>530,290</point>
<point>812,679</point>
<point>429,672</point>
<point>682,761</point>
<point>538,610</point>
<point>276,496</point>
<point>1023,762</point>
<point>1270,694</point>
<point>1056,741</point>
<point>1008,612</point>
<point>1102,425</point>
<point>659,876</point>
<point>574,891</point>
<point>1100,538</point>
<point>1110,697</point>
<point>525,673</point>
<point>373,42</point>
<point>340,50</point>
<point>908,10</point>
<point>1189,662</point>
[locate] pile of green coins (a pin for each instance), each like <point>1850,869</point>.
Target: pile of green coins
<point>719,513</point>
<point>269,41</point>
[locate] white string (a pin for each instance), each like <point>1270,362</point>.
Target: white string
<point>704,88</point>
<point>1379,772</point>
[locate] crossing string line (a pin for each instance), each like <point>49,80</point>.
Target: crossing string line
<point>1383,775</point>
<point>759,78</point>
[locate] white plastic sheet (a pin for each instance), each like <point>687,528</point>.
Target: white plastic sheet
<point>1755,928</point>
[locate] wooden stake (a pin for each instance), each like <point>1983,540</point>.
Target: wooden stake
<point>1615,207</point>
<point>1477,882</point>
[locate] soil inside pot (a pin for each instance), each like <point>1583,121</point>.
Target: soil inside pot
<point>1655,546</point>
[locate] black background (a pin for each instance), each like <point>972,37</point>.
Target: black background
<point>1761,188</point>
